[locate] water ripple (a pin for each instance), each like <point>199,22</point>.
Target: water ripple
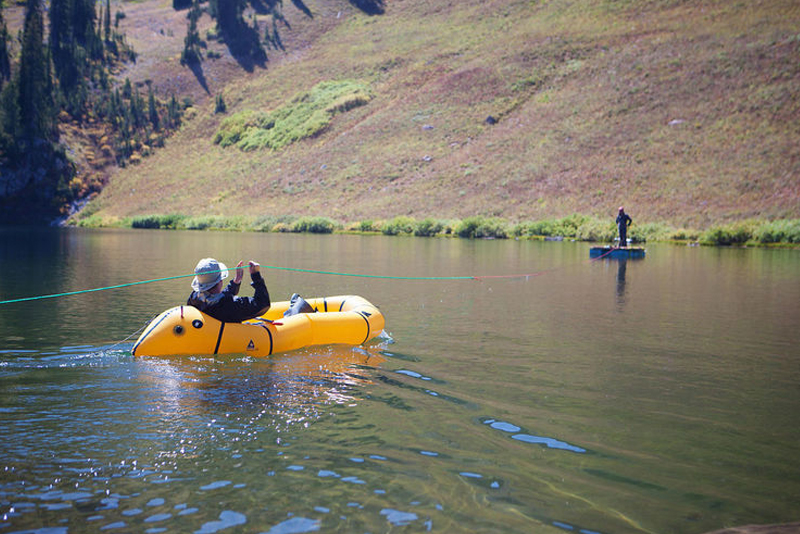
<point>227,519</point>
<point>551,443</point>
<point>398,518</point>
<point>215,485</point>
<point>295,525</point>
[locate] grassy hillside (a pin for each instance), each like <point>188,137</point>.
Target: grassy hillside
<point>686,112</point>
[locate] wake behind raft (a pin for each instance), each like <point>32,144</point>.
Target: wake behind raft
<point>181,330</point>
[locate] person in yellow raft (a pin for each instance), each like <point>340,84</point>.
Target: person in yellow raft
<point>223,304</point>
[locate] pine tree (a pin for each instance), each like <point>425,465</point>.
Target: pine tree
<point>107,22</point>
<point>35,100</point>
<point>192,42</point>
<point>133,106</point>
<point>5,64</point>
<point>220,106</point>
<point>83,21</point>
<point>173,112</point>
<point>62,47</point>
<point>228,14</point>
<point>152,110</point>
<point>9,119</point>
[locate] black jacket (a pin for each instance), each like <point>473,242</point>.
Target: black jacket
<point>229,308</point>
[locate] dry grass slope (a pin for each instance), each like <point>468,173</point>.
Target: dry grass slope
<point>686,112</point>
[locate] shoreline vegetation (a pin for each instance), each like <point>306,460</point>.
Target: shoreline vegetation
<point>783,233</point>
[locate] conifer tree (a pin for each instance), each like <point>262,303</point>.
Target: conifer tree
<point>192,42</point>
<point>35,100</point>
<point>5,64</point>
<point>9,122</point>
<point>107,22</point>
<point>83,21</point>
<point>133,106</point>
<point>228,14</point>
<point>152,110</point>
<point>62,48</point>
<point>173,112</point>
<point>220,106</point>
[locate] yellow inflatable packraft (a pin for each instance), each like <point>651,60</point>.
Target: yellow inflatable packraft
<point>345,319</point>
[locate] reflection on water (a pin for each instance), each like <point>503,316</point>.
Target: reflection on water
<point>290,388</point>
<point>622,267</point>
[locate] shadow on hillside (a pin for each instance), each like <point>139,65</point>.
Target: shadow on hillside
<point>370,7</point>
<point>197,69</point>
<point>266,7</point>
<point>245,47</point>
<point>302,7</point>
<point>260,7</point>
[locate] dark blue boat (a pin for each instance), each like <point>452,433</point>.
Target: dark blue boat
<point>615,253</point>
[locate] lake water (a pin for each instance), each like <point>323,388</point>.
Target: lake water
<point>660,395</point>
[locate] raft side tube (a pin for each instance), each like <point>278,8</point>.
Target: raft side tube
<point>246,338</point>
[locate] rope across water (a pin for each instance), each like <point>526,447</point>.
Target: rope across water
<point>294,269</point>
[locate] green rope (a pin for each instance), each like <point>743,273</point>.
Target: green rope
<point>68,293</point>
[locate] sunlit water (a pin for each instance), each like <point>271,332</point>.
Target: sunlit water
<point>591,396</point>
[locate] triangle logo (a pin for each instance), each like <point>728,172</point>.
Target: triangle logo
<point>251,345</point>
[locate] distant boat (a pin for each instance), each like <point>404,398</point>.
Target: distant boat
<point>616,253</point>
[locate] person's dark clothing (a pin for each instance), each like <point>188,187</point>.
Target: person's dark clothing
<point>229,308</point>
<point>623,221</point>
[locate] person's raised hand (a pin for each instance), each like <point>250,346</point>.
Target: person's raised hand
<point>254,267</point>
<point>239,273</point>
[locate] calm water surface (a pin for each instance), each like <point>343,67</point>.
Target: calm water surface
<point>656,396</point>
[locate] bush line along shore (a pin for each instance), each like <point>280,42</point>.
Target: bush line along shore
<point>784,232</point>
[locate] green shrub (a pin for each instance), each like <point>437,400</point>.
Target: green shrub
<point>568,226</point>
<point>640,233</point>
<point>784,231</point>
<point>494,228</point>
<point>314,225</point>
<point>212,222</point>
<point>157,221</point>
<point>90,221</point>
<point>682,234</point>
<point>715,236</point>
<point>565,227</point>
<point>429,227</point>
<point>399,225</point>
<point>198,223</point>
<point>306,115</point>
<point>368,226</point>
<point>594,230</point>
<point>264,223</point>
<point>735,234</point>
<point>480,227</point>
<point>468,227</point>
<point>534,229</point>
<point>233,128</point>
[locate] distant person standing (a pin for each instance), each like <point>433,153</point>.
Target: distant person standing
<point>623,221</point>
